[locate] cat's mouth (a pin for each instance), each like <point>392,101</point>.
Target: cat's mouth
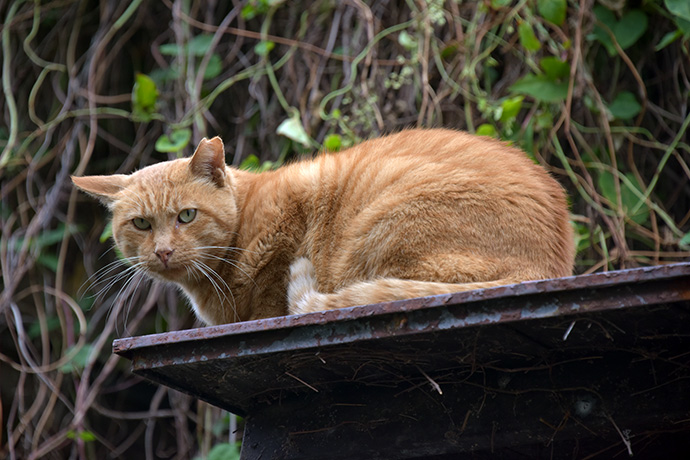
<point>169,271</point>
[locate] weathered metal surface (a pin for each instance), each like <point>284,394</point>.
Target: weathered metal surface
<point>509,369</point>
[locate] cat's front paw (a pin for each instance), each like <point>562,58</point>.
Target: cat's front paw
<point>302,293</point>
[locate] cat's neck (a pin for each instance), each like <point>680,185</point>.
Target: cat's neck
<point>273,210</point>
<point>277,199</point>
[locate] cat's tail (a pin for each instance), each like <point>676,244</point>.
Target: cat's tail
<point>304,297</point>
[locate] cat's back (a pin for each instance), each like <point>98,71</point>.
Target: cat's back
<point>390,201</point>
<point>435,158</point>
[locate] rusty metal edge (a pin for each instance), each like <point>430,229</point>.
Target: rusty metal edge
<point>127,347</point>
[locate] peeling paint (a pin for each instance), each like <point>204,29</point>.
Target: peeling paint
<point>540,312</point>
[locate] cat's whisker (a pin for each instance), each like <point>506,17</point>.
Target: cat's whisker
<point>110,281</point>
<point>141,278</point>
<point>228,248</point>
<point>210,274</point>
<point>122,299</point>
<point>233,263</point>
<point>104,272</point>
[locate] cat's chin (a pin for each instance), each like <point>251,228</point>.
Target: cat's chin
<point>170,274</point>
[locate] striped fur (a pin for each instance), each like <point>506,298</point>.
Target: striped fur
<point>416,213</point>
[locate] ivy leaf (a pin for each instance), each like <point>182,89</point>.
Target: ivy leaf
<point>630,28</point>
<point>85,436</point>
<point>486,130</point>
<point>264,47</point>
<point>177,140</point>
<point>683,25</point>
<point>685,241</point>
<point>224,451</point>
<point>554,68</point>
<point>407,41</point>
<point>496,4</point>
<point>107,232</point>
<point>541,88</point>
<point>552,10</point>
<point>214,67</point>
<point>197,46</point>
<point>510,108</point>
<point>668,39</point>
<point>678,8</point>
<point>333,142</point>
<point>292,129</point>
<point>78,361</point>
<point>629,199</point>
<point>626,31</point>
<point>624,106</point>
<point>528,39</point>
<point>253,164</point>
<point>144,98</point>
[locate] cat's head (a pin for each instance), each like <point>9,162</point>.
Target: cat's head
<point>171,219</point>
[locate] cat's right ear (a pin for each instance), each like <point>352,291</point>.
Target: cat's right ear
<point>104,188</point>
<point>208,161</point>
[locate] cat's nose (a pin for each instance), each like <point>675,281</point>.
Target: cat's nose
<point>164,255</point>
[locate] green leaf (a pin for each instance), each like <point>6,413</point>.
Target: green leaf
<point>224,451</point>
<point>144,97</point>
<point>679,8</point>
<point>528,40</point>
<point>407,41</point>
<point>39,245</point>
<point>333,142</point>
<point>582,236</point>
<point>496,4</point>
<point>624,106</point>
<point>629,199</point>
<point>630,28</point>
<point>107,232</point>
<point>264,47</point>
<point>510,108</point>
<point>52,324</point>
<point>50,261</point>
<point>486,129</point>
<point>626,31</point>
<point>178,140</point>
<point>449,51</point>
<point>552,10</point>
<point>608,19</point>
<point>200,45</point>
<point>292,129</point>
<point>169,49</point>
<point>554,68</point>
<point>78,361</point>
<point>607,187</point>
<point>197,46</point>
<point>85,436</point>
<point>214,67</point>
<point>541,88</point>
<point>251,163</point>
<point>668,39</point>
<point>683,25</point>
<point>685,241</point>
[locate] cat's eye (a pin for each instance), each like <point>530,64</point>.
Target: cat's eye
<point>141,224</point>
<point>187,215</point>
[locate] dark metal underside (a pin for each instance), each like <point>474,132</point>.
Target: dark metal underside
<point>580,367</point>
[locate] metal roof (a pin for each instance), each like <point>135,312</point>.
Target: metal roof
<point>564,368</point>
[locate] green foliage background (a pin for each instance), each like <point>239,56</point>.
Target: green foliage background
<point>597,92</point>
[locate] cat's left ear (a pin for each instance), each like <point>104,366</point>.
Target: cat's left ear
<point>208,161</point>
<point>105,188</point>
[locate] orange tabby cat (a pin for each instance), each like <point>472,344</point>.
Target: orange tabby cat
<point>417,213</point>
